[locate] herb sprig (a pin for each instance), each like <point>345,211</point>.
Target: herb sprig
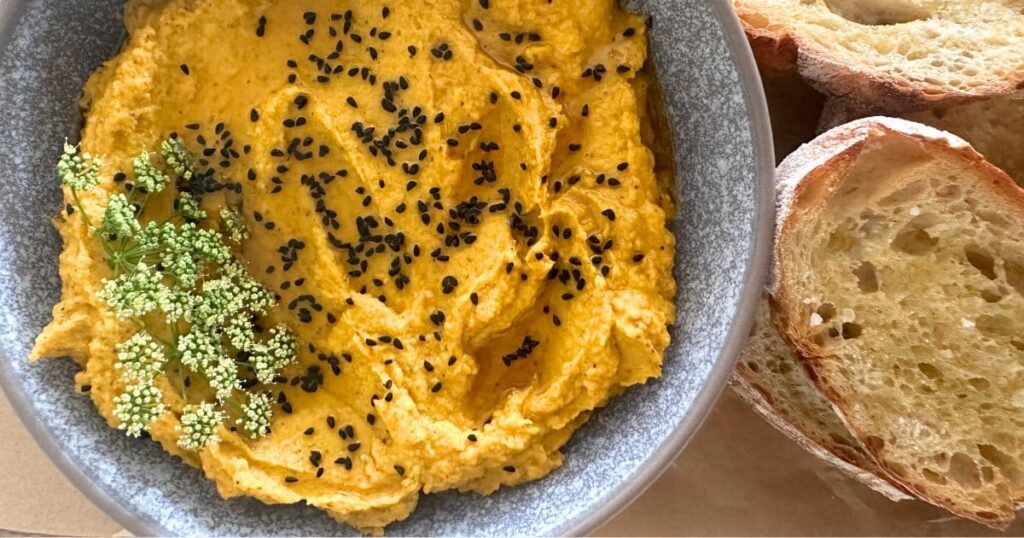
<point>195,308</point>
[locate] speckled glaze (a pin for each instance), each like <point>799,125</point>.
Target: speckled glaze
<point>723,152</point>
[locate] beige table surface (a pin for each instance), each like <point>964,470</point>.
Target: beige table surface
<point>737,477</point>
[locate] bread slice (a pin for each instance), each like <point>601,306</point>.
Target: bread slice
<point>900,283</point>
<point>992,126</point>
<point>770,379</point>
<point>886,56</point>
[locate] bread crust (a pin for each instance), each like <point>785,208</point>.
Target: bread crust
<point>805,180</point>
<point>774,52</point>
<point>744,388</point>
<point>859,91</point>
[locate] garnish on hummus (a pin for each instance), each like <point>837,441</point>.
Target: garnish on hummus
<point>348,253</point>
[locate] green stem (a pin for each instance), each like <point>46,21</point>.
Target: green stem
<point>78,205</point>
<point>88,223</point>
<point>181,383</point>
<point>234,406</point>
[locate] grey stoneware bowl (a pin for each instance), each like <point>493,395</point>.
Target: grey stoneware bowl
<point>724,159</point>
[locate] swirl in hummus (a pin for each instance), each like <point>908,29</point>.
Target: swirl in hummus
<point>456,202</point>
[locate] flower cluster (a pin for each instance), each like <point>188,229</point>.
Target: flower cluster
<point>233,225</point>
<point>147,177</point>
<point>138,407</point>
<point>199,425</point>
<point>189,207</point>
<point>140,357</point>
<point>78,171</point>
<point>119,218</point>
<point>177,157</point>
<point>192,299</point>
<point>256,414</point>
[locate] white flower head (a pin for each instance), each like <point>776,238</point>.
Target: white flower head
<point>240,333</point>
<point>233,225</point>
<point>223,377</point>
<point>140,358</point>
<point>177,157</point>
<point>199,426</point>
<point>189,207</point>
<point>79,171</point>
<point>199,349</point>
<point>135,294</point>
<point>269,358</point>
<point>256,415</point>
<point>138,407</point>
<point>147,176</point>
<point>119,218</point>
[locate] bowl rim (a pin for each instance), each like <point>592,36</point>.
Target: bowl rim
<point>655,465</point>
<point>753,280</point>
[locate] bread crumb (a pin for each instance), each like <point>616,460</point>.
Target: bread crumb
<point>915,211</point>
<point>816,319</point>
<point>848,315</point>
<point>1018,398</point>
<point>966,323</point>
